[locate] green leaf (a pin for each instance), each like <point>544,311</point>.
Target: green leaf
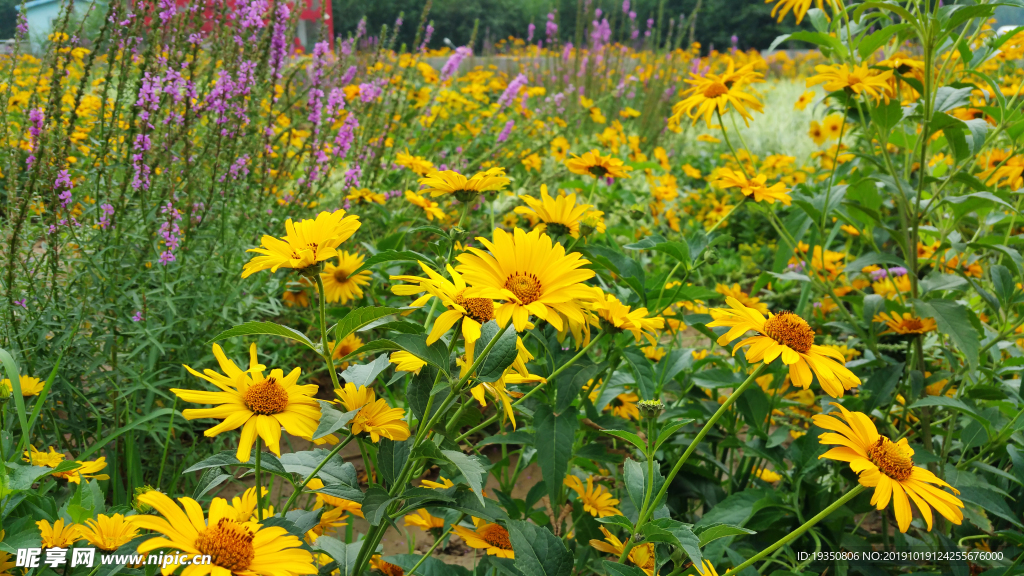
<point>471,469</point>
<point>538,552</point>
<point>873,258</point>
<point>501,355</point>
<point>824,41</point>
<point>344,554</point>
<point>210,479</point>
<point>554,443</point>
<point>271,328</point>
<point>360,317</point>
<point>949,98</point>
<point>364,374</point>
<point>677,534</point>
<point>571,383</point>
<point>643,371</point>
<point>519,437</point>
<point>615,569</point>
<point>334,471</point>
<point>952,320</point>
<point>391,256</point>
<point>712,532</point>
<point>331,419</point>
<point>628,437</point>
<point>669,430</point>
<point>430,566</point>
<point>468,502</point>
<point>636,487</point>
<point>375,505</point>
<point>617,520</point>
<point>391,458</point>
<point>874,41</point>
<point>435,354</point>
<point>946,402</point>
<point>403,326</point>
<point>419,392</point>
<point>886,115</point>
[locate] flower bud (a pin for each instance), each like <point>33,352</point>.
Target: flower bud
<point>650,408</point>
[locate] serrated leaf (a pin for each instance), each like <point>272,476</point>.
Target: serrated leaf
<point>332,419</point>
<point>617,520</point>
<point>670,430</point>
<point>344,554</point>
<point>268,463</point>
<point>628,436</point>
<point>391,458</point>
<point>270,328</point>
<point>633,472</point>
<point>471,470</point>
<point>364,374</point>
<point>554,436</point>
<point>210,479</point>
<point>616,569</point>
<point>375,505</point>
<point>334,471</point>
<point>952,320</point>
<point>435,354</point>
<point>501,355</point>
<point>538,552</point>
<point>712,532</point>
<point>571,383</point>
<point>677,534</point>
<point>360,317</point>
<point>643,372</point>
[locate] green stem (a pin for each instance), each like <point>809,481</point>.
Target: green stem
<point>328,354</point>
<point>434,547</point>
<point>167,444</point>
<point>696,441</point>
<point>799,531</point>
<point>536,389</point>
<point>298,489</point>
<point>259,480</point>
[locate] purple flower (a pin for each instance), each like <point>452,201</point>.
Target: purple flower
<point>877,275</point>
<point>898,271</point>
<point>108,211</point>
<point>454,61</point>
<point>368,92</point>
<point>426,36</point>
<point>23,303</point>
<point>138,313</point>
<point>512,90</point>
<point>625,6</point>
<point>529,32</point>
<point>506,131</point>
<point>551,29</point>
<point>798,267</point>
<point>735,41</point>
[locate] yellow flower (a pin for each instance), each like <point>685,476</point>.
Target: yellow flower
<point>709,569</point>
<point>452,293</point>
<point>424,520</point>
<point>788,336</point>
<point>654,353</point>
<point>295,298</point>
<point>109,533</point>
<point>59,535</point>
<point>624,406</point>
<point>464,189</point>
<point>608,308</point>
<point>593,164</point>
<point>888,467</point>
<point>329,520</point>
<point>348,345</point>
<point>245,505</point>
<point>850,230</point>
<point>804,99</point>
<point>417,164</point>
<point>29,386</point>
<point>641,555</point>
<point>628,112</point>
<point>817,133</point>
<point>799,8</point>
<point>712,92</point>
<point>559,148</point>
<point>859,80</point>
<point>559,216</point>
<point>430,208</point>
<point>767,475</point>
<point>339,283</point>
<point>597,116</point>
<point>406,362</point>
<point>384,567</point>
<point>490,537</point>
<point>444,483</point>
<point>87,469</point>
<point>692,172</point>
<point>50,459</point>
<point>597,501</point>
<point>305,244</point>
<point>833,125</point>
<point>364,196</point>
<point>375,417</point>
<point>735,292</point>
<point>531,162</point>
<point>260,405</point>
<point>754,186</point>
<point>905,324</point>
<point>708,138</point>
<point>235,547</point>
